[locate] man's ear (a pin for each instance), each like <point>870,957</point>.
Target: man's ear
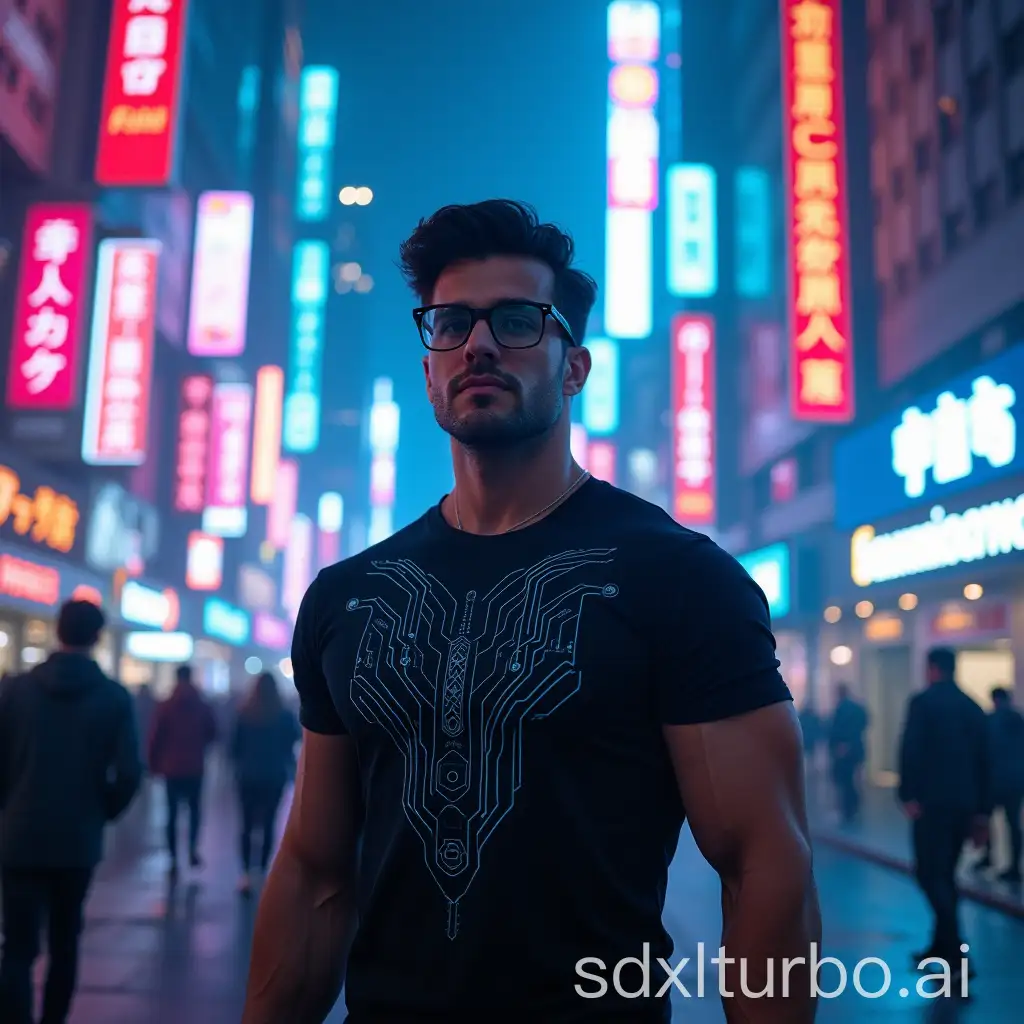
<point>577,370</point>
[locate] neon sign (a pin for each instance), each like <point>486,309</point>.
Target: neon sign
<point>266,435</point>
<point>226,514</point>
<point>310,270</point>
<point>225,622</point>
<point>601,394</point>
<point>753,233</point>
<point>692,231</point>
<point>769,568</point>
<point>45,516</point>
<point>318,107</point>
<point>116,423</point>
<point>634,44</point>
<point>46,342</point>
<point>944,540</point>
<point>693,418</point>
<point>193,443</point>
<point>821,339</point>
<point>141,93</point>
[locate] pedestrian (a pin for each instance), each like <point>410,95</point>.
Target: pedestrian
<point>69,765</point>
<point>847,751</point>
<point>511,705</point>
<point>263,752</point>
<point>1006,743</point>
<point>945,790</point>
<point>183,730</point>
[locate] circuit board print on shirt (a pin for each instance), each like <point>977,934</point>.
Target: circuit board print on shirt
<point>452,682</point>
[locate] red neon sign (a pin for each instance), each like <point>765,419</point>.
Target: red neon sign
<point>821,339</point>
<point>116,428</point>
<point>193,443</point>
<point>141,93</point>
<point>693,419</point>
<point>29,581</point>
<point>47,339</point>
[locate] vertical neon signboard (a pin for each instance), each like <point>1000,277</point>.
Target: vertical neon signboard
<point>634,45</point>
<point>692,231</point>
<point>820,317</point>
<point>318,109</point>
<point>115,427</point>
<point>753,233</point>
<point>193,443</point>
<point>311,262</point>
<point>266,435</point>
<point>283,506</point>
<point>693,419</point>
<point>220,274</point>
<point>227,480</point>
<point>46,343</point>
<point>601,392</point>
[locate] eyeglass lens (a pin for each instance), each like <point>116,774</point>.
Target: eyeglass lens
<point>514,324</point>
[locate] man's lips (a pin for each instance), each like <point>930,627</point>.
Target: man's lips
<point>483,384</point>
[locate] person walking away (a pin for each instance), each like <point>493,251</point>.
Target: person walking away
<point>184,727</point>
<point>263,752</point>
<point>69,765</point>
<point>945,790</point>
<point>847,751</point>
<point>1006,742</point>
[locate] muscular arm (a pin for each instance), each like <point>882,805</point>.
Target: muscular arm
<point>741,780</point>
<point>306,916</point>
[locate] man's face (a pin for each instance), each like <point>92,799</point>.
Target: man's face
<point>487,396</point>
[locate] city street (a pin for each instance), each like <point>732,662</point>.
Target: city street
<point>153,955</point>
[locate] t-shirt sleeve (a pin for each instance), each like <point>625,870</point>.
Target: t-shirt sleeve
<point>317,712</point>
<point>716,656</point>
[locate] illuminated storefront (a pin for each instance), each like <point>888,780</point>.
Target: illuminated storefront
<point>930,502</point>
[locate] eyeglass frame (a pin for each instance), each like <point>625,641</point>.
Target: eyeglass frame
<point>548,309</point>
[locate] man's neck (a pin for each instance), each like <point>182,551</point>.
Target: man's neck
<point>496,490</point>
<point>85,652</point>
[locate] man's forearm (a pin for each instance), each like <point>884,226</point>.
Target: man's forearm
<point>303,930</point>
<point>771,920</point>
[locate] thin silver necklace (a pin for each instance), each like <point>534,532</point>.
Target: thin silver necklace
<point>582,478</point>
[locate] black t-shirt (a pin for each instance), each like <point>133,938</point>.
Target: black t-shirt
<point>506,695</point>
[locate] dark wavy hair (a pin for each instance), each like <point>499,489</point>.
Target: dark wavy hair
<point>497,227</point>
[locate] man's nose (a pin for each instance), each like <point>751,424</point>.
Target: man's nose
<point>481,343</point>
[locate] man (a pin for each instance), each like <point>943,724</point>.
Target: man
<point>1006,746</point>
<point>945,792</point>
<point>69,764</point>
<point>510,706</point>
<point>184,728</point>
<point>846,751</point>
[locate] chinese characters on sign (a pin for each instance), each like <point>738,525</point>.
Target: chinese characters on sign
<point>140,94</point>
<point>45,516</point>
<point>821,344</point>
<point>46,341</point>
<point>116,425</point>
<point>957,431</point>
<point>193,443</point>
<point>227,478</point>
<point>693,414</point>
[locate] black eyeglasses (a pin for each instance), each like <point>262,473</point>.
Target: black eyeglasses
<point>517,324</point>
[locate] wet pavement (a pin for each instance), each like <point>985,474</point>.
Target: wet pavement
<point>178,956</point>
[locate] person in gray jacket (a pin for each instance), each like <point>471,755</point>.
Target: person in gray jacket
<point>69,765</point>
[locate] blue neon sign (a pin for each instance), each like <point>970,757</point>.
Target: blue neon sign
<point>949,441</point>
<point>225,622</point>
<point>770,569</point>
<point>692,231</point>
<point>753,233</point>
<point>318,109</point>
<point>310,274</point>
<point>601,394</point>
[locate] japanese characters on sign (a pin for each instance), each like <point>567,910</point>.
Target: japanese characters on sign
<point>693,418</point>
<point>227,479</point>
<point>821,341</point>
<point>117,405</point>
<point>193,443</point>
<point>218,314</point>
<point>46,341</point>
<point>141,93</point>
<point>41,515</point>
